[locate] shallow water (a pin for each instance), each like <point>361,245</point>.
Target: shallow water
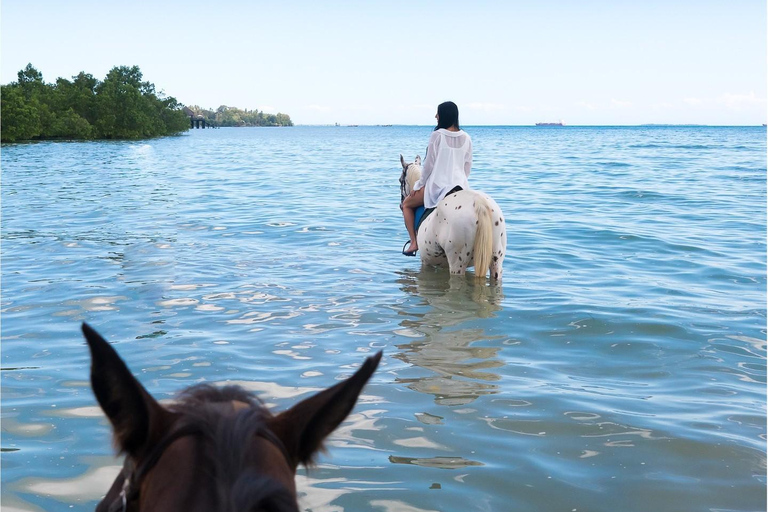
<point>621,366</point>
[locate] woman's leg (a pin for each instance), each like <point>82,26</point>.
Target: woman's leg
<point>409,214</point>
<point>410,204</point>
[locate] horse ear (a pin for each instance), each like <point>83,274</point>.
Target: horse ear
<point>134,414</point>
<point>402,162</point>
<point>417,160</point>
<point>303,427</point>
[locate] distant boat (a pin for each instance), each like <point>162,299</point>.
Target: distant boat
<point>551,124</point>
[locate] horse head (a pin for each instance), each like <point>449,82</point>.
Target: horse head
<point>410,175</point>
<point>216,448</point>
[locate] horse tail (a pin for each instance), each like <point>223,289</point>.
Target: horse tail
<point>483,237</point>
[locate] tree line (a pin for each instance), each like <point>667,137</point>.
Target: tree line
<point>122,106</point>
<point>231,116</point>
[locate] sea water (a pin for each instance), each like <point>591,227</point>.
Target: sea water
<point>621,365</point>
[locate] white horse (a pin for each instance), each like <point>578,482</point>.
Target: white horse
<point>466,229</point>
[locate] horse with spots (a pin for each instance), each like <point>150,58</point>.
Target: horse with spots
<point>466,229</point>
<point>215,449</point>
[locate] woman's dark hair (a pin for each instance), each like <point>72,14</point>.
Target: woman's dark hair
<point>448,115</point>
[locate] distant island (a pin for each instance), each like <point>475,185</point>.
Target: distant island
<point>232,116</point>
<point>122,106</point>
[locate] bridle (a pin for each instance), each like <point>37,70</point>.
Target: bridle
<point>402,182</point>
<point>133,476</point>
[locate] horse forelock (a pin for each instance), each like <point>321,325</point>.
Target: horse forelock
<point>228,441</point>
<point>201,394</point>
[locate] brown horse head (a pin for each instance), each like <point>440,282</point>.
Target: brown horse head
<point>216,448</point>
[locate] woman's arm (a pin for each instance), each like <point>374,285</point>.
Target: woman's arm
<point>429,161</point>
<point>468,160</point>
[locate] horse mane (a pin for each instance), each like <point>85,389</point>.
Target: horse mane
<point>226,452</point>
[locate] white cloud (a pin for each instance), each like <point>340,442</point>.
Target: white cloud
<point>738,101</point>
<point>318,108</point>
<point>587,105</point>
<point>730,101</point>
<point>620,104</point>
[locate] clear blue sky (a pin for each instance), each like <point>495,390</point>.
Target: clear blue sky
<point>391,62</point>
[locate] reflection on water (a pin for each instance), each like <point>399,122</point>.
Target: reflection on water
<point>322,494</point>
<point>88,486</point>
<point>397,506</point>
<point>445,336</point>
<point>435,462</point>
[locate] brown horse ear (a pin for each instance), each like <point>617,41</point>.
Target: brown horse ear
<point>133,412</point>
<point>303,427</point>
<point>402,162</point>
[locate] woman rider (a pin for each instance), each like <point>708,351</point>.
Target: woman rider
<point>445,170</point>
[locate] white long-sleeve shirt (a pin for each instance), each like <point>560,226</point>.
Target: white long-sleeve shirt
<point>447,164</point>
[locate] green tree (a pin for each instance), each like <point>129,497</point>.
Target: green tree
<point>172,116</point>
<point>30,78</point>
<point>20,119</point>
<point>118,105</point>
<point>37,95</point>
<point>283,120</point>
<point>80,95</point>
<point>128,108</point>
<point>70,125</point>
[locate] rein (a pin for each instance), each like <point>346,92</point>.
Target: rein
<point>133,476</point>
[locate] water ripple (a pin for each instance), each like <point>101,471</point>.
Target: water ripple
<point>621,366</point>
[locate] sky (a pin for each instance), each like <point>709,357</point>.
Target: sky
<point>504,62</point>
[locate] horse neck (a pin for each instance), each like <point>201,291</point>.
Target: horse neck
<point>412,176</point>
